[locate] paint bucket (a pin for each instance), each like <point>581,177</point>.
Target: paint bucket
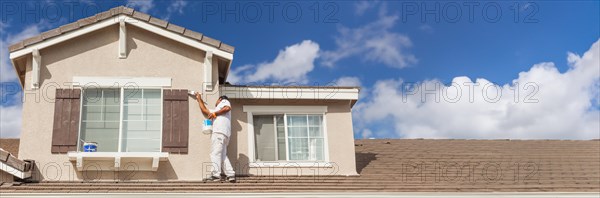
<point>90,146</point>
<point>207,126</point>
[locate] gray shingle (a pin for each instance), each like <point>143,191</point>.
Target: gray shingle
<point>141,16</point>
<point>227,48</point>
<point>193,34</point>
<point>86,21</point>
<point>69,27</point>
<point>403,165</point>
<point>32,40</point>
<point>158,22</point>
<point>116,10</point>
<point>17,46</point>
<point>102,15</point>
<point>51,33</point>
<point>211,41</point>
<point>175,28</point>
<point>127,11</point>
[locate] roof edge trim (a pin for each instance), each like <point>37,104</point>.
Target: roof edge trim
<point>114,20</point>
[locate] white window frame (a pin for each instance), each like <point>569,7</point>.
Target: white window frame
<point>120,83</point>
<point>252,110</point>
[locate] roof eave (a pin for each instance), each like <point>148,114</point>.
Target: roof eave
<point>14,66</point>
<point>188,40</point>
<point>293,92</point>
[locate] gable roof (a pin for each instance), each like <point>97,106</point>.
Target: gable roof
<point>392,165</point>
<point>120,10</point>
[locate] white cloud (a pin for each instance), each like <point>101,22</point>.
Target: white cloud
<point>141,5</point>
<point>3,25</point>
<point>366,133</point>
<point>10,115</point>
<point>291,65</point>
<point>362,6</point>
<point>236,75</point>
<point>10,121</point>
<point>564,109</point>
<point>426,28</point>
<point>175,7</point>
<point>7,73</point>
<point>374,42</point>
<point>348,81</point>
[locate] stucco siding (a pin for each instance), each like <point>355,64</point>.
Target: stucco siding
<point>338,121</point>
<point>96,54</point>
<point>151,55</point>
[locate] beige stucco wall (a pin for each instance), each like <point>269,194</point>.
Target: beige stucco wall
<point>340,136</point>
<point>148,55</point>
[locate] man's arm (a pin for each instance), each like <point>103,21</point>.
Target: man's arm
<point>203,108</point>
<point>222,111</point>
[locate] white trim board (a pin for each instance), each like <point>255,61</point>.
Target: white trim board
<point>291,164</point>
<point>115,20</point>
<point>13,171</point>
<point>291,93</point>
<point>114,82</point>
<point>79,158</point>
<point>284,109</point>
<point>252,110</point>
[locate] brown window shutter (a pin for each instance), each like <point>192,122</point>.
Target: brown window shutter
<point>66,120</point>
<point>175,121</point>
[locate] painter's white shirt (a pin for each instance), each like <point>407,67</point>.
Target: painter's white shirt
<point>222,124</point>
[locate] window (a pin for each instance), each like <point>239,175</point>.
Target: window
<point>122,120</point>
<point>100,118</point>
<point>289,137</point>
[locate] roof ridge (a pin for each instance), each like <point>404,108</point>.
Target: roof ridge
<point>118,11</point>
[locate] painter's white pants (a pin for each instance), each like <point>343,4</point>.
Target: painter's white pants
<point>218,155</point>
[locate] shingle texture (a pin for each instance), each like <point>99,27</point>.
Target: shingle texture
<point>113,12</point>
<point>410,166</point>
<point>10,145</point>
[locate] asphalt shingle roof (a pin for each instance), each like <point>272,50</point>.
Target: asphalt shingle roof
<point>410,165</point>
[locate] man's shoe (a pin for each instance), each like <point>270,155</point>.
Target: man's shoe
<point>231,179</point>
<point>212,178</point>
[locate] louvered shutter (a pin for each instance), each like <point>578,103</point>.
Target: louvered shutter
<point>175,121</point>
<point>66,120</point>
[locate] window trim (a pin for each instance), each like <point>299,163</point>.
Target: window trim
<point>252,110</point>
<point>121,106</point>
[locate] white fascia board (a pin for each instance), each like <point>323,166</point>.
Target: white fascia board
<point>291,93</point>
<point>64,37</point>
<point>17,73</point>
<point>13,171</point>
<point>86,81</point>
<point>284,109</point>
<point>115,20</point>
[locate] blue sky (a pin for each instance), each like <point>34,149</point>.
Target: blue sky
<point>380,46</point>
